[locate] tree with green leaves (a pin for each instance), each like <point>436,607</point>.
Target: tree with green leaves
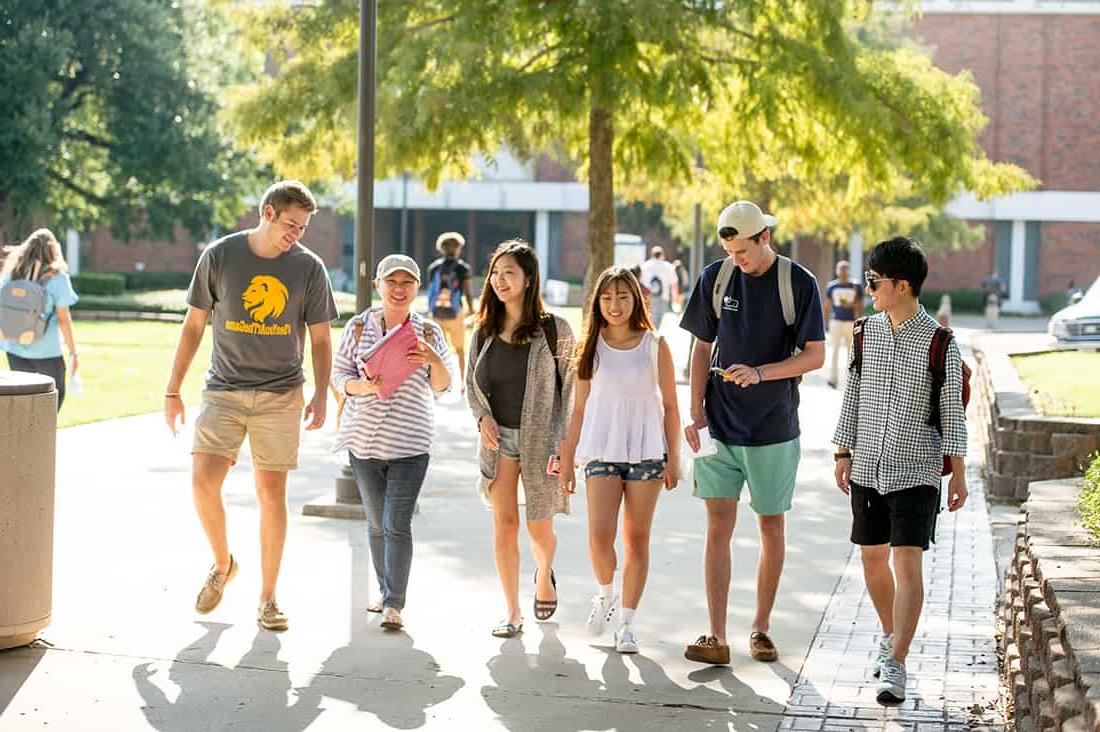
<point>788,102</point>
<point>111,115</point>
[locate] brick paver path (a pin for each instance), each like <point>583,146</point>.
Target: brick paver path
<point>953,676</point>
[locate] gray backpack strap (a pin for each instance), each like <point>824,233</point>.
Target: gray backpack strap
<point>786,291</point>
<point>725,274</point>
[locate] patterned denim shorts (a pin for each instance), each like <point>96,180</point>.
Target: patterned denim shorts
<point>645,470</point>
<point>508,439</point>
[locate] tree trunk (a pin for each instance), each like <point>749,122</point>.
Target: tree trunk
<point>601,195</point>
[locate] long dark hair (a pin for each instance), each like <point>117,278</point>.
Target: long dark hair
<point>594,320</point>
<point>41,248</point>
<point>490,317</point>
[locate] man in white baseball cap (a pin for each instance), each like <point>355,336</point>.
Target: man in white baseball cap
<point>757,322</point>
<point>743,220</point>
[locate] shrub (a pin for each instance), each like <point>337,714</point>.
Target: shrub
<point>142,281</point>
<point>98,283</point>
<point>962,301</point>
<point>1053,302</point>
<point>1089,506</point>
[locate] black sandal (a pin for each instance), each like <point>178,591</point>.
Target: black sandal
<point>508,630</point>
<point>545,609</point>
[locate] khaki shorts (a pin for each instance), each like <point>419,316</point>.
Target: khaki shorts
<point>455,331</point>
<point>272,421</point>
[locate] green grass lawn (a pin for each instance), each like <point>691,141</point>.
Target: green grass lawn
<point>173,301</point>
<point>1062,384</point>
<point>124,365</point>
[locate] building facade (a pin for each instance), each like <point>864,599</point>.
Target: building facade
<point>1036,62</point>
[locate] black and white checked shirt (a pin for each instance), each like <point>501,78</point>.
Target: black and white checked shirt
<point>884,419</point>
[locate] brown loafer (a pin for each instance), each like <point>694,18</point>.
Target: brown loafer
<point>210,596</point>
<point>761,647</point>
<point>707,649</point>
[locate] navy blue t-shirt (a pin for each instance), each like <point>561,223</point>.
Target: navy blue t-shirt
<point>752,332</point>
<point>844,296</point>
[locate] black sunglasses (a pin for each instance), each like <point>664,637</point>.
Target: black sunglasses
<point>872,281</point>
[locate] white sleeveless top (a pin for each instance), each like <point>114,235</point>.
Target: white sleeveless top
<point>623,417</point>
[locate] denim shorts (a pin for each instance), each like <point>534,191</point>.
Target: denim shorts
<point>508,438</point>
<point>645,470</point>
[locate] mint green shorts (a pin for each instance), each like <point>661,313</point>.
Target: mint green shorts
<point>770,471</point>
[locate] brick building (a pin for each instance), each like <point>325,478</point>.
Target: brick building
<point>1036,62</point>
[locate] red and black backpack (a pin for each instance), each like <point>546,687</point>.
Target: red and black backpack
<point>937,366</point>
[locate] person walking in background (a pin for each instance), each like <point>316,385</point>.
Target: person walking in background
<point>262,291</point>
<point>843,305</point>
<point>660,277</point>
<point>896,425</point>
<point>762,313</point>
<point>519,386</point>
<point>994,293</point>
<point>36,347</point>
<point>389,439</point>
<point>448,284</point>
<point>625,431</point>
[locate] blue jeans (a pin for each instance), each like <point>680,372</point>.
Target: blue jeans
<point>389,489</point>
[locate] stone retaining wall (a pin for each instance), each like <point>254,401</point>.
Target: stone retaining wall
<point>1021,445</point>
<point>1051,611</point>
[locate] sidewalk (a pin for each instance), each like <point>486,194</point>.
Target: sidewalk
<point>128,652</point>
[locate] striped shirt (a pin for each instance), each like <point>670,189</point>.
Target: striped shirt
<point>884,417</point>
<point>387,429</point>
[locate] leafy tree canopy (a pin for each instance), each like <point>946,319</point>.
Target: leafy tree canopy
<point>805,106</point>
<point>111,116</point>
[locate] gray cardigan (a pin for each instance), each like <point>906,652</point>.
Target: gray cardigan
<point>543,417</point>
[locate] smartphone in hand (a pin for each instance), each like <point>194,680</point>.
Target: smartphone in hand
<point>553,465</point>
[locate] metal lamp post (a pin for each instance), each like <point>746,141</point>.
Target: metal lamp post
<point>348,503</point>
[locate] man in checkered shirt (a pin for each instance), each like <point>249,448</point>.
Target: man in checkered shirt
<point>889,459</point>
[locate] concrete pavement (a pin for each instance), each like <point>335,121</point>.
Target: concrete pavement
<point>127,651</point>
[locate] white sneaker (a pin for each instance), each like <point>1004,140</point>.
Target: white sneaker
<point>891,683</point>
<point>625,642</point>
<point>885,651</point>
<point>603,609</point>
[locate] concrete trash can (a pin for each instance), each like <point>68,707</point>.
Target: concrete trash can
<point>28,434</point>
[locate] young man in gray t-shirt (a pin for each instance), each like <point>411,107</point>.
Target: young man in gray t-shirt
<point>261,292</point>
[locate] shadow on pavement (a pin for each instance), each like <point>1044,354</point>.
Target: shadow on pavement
<point>251,695</point>
<point>617,699</point>
<point>16,666</point>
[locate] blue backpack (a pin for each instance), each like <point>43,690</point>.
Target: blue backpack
<point>23,316</point>
<point>445,290</point>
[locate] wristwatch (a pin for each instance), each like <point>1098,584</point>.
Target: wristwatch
<point>838,456</point>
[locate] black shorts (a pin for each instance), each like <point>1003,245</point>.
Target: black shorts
<point>901,518</point>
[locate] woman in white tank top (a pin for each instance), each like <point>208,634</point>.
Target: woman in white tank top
<point>625,431</point>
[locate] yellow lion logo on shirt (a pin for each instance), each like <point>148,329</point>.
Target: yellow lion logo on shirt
<point>265,297</point>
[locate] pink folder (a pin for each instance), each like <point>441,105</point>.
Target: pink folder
<point>389,359</point>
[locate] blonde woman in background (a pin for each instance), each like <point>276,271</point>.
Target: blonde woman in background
<point>39,258</point>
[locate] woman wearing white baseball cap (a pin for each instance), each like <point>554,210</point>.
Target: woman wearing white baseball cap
<point>389,439</point>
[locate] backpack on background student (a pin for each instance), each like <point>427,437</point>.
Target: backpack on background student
<point>23,317</point>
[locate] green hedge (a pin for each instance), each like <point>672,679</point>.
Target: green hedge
<point>99,283</point>
<point>1053,302</point>
<point>1089,507</point>
<point>142,281</point>
<point>962,301</point>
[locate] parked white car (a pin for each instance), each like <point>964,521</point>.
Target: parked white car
<point>1079,324</point>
